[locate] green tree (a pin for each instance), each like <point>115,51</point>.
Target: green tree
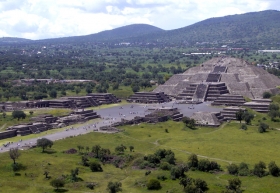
<point>243,169</point>
<point>153,184</point>
<point>120,149</point>
<point>189,122</point>
<point>185,181</point>
<point>57,183</point>
<point>74,174</point>
<point>18,115</point>
<point>259,169</point>
<point>135,88</point>
<point>95,167</point>
<point>239,115</point>
<point>14,154</point>
<point>53,93</point>
<point>263,127</point>
<point>44,143</point>
<point>95,150</point>
<point>131,148</point>
<point>193,161</point>
<point>234,185</point>
<point>267,95</point>
<point>232,169</point>
<point>114,187</point>
<point>178,172</point>
<point>115,86</point>
<point>247,117</point>
<point>273,169</point>
<point>200,185</point>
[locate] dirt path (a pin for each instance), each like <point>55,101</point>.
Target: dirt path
<point>184,151</point>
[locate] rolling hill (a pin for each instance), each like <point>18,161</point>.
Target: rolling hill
<point>255,26</point>
<point>261,26</point>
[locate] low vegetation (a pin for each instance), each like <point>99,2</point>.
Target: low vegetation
<point>147,157</point>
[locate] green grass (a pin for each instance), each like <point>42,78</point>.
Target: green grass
<point>224,144</point>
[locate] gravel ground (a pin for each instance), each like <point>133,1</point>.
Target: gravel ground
<point>111,115</point>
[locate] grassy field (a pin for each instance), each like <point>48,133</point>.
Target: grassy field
<point>226,144</point>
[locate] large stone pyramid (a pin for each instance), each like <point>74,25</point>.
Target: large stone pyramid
<point>218,76</point>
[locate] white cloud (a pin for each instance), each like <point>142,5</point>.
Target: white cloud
<point>38,19</point>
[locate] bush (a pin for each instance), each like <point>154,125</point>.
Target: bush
<point>161,177</point>
<point>263,127</point>
<point>192,161</point>
<point>243,169</point>
<point>17,167</point>
<point>177,171</point>
<point>259,169</point>
<point>267,95</point>
<point>232,169</point>
<point>57,183</point>
<point>204,165</point>
<point>234,185</point>
<point>243,126</point>
<point>114,187</point>
<point>273,169</point>
<point>95,167</point>
<point>91,185</point>
<point>165,166</point>
<point>153,184</point>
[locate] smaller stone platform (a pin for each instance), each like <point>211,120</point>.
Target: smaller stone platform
<point>149,97</point>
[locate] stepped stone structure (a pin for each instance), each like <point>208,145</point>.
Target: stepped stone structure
<point>207,119</point>
<point>91,100</point>
<point>47,122</point>
<point>259,105</point>
<point>149,97</point>
<point>104,98</point>
<point>219,76</point>
<point>229,100</point>
<point>229,113</point>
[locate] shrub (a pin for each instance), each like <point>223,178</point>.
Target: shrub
<point>57,183</point>
<point>243,126</point>
<point>177,172</point>
<point>114,187</point>
<point>243,169</point>
<point>232,169</point>
<point>204,165</point>
<point>234,185</point>
<point>161,177</point>
<point>95,167</point>
<point>273,169</point>
<point>91,185</point>
<point>192,161</point>
<point>165,166</point>
<point>267,95</point>
<point>153,184</point>
<point>259,169</point>
<point>263,127</point>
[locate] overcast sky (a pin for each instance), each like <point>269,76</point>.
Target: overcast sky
<point>40,19</point>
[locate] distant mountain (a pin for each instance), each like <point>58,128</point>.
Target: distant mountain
<point>12,40</point>
<point>121,33</point>
<point>255,26</point>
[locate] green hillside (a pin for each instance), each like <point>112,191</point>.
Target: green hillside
<point>263,26</point>
<point>121,33</point>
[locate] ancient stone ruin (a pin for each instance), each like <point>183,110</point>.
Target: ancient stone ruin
<point>92,100</point>
<point>149,97</point>
<point>46,122</point>
<point>155,116</point>
<point>218,76</point>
